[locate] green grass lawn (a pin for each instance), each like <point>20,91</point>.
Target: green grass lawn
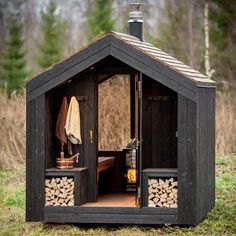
<point>220,221</point>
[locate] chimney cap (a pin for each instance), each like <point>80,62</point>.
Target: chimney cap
<point>135,16</point>
<point>136,2</point>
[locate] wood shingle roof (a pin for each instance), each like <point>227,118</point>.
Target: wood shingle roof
<point>163,57</point>
<point>139,55</point>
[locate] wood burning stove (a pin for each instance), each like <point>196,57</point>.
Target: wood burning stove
<point>130,170</point>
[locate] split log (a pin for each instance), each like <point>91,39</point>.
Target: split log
<point>59,191</point>
<point>162,192</point>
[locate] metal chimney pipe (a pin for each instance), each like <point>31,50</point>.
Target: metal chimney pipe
<point>136,21</point>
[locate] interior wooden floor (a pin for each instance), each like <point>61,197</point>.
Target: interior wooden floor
<point>113,200</point>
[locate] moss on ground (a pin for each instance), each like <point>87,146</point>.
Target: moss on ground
<point>220,221</point>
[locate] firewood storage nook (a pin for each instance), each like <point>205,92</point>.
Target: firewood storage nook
<point>66,187</point>
<point>165,175</point>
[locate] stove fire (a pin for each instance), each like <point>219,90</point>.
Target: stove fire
<point>130,170</point>
<point>131,176</point>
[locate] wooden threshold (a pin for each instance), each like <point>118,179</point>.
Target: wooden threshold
<point>113,200</point>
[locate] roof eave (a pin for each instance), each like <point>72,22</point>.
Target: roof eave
<point>206,84</point>
<point>50,72</point>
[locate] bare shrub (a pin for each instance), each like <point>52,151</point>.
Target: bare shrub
<point>12,129</point>
<point>114,126</point>
<point>114,113</point>
<point>226,123</point>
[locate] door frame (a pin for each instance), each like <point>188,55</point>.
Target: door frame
<point>136,128</point>
<point>139,153</point>
<point>135,124</point>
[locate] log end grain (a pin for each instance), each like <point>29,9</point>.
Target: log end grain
<point>59,191</point>
<point>162,192</point>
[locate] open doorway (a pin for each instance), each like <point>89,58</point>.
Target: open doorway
<point>114,134</point>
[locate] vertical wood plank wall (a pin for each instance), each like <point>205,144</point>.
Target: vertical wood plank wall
<point>196,144</point>
<point>35,158</point>
<point>186,161</point>
<point>159,125</point>
<point>90,124</point>
<point>42,148</point>
<point>132,105</point>
<point>205,168</point>
<point>30,122</point>
<point>49,126</point>
<point>80,85</point>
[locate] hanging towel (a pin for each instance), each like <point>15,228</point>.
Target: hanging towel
<point>60,131</point>
<point>73,122</point>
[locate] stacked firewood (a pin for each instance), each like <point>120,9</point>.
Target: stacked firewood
<point>162,192</point>
<point>59,191</point>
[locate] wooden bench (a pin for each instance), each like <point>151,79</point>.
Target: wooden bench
<point>104,163</point>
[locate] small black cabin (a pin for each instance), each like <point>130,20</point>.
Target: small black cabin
<point>172,123</point>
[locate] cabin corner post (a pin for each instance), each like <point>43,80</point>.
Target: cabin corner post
<point>187,161</point>
<point>205,167</point>
<point>35,158</point>
<point>30,161</point>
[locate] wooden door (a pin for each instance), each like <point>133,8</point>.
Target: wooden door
<point>90,134</point>
<point>159,125</point>
<point>136,129</point>
<point>84,88</point>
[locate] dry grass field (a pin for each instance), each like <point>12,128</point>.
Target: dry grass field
<point>114,129</point>
<point>114,114</point>
<point>12,129</point>
<point>226,123</point>
<point>220,221</point>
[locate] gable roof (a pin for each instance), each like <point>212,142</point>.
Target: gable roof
<point>140,55</point>
<point>163,57</point>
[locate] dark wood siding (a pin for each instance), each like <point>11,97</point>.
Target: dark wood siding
<point>187,111</point>
<point>112,46</point>
<point>205,168</point>
<point>90,124</point>
<point>66,75</point>
<point>191,113</point>
<point>110,215</point>
<point>78,59</point>
<point>153,68</point>
<point>70,217</point>
<point>159,125</point>
<point>30,161</point>
<point>35,157</point>
<point>83,86</point>
<point>49,127</point>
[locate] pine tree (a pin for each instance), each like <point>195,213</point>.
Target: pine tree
<point>52,28</point>
<point>13,62</point>
<point>100,19</point>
